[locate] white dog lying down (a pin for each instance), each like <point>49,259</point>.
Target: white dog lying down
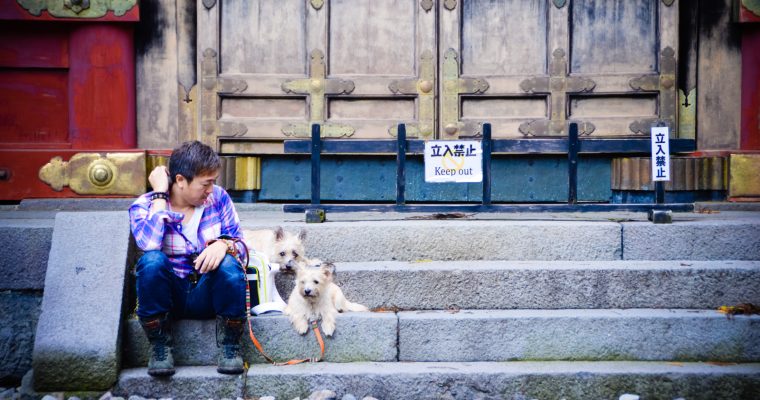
<point>315,296</point>
<point>279,246</point>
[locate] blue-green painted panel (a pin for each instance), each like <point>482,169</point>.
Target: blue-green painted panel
<point>373,178</point>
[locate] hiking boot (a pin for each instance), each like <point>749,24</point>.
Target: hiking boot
<point>229,361</point>
<point>158,331</point>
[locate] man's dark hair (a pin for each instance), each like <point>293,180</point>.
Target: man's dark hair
<point>191,159</point>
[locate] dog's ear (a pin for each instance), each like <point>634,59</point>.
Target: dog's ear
<point>279,234</point>
<point>302,235</point>
<point>328,269</point>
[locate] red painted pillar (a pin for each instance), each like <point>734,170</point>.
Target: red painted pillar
<point>750,138</point>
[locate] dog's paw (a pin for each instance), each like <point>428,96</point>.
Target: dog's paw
<point>328,328</point>
<point>301,327</point>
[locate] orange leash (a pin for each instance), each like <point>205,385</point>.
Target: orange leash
<point>317,334</point>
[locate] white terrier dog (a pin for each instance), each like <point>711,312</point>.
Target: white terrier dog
<point>315,296</point>
<point>280,247</point>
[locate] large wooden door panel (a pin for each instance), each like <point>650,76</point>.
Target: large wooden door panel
<point>271,68</point>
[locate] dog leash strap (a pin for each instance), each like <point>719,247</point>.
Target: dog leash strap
<point>318,335</point>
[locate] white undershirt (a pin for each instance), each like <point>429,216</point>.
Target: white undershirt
<point>190,229</point>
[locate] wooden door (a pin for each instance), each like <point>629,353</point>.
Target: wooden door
<point>530,67</point>
<point>270,68</point>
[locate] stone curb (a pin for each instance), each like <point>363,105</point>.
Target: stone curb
<point>77,344</point>
<point>599,335</point>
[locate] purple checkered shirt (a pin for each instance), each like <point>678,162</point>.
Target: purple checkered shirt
<point>160,230</point>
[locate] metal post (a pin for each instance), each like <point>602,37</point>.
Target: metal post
<point>316,149</point>
<point>401,165</point>
<point>487,164</point>
<point>659,192</point>
<point>572,164</point>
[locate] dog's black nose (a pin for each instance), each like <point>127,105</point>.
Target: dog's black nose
<point>307,291</point>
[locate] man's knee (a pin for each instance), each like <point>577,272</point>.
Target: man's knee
<point>152,262</point>
<point>230,270</point>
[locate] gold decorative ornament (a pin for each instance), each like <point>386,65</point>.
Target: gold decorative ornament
<point>97,174</point>
<point>77,8</point>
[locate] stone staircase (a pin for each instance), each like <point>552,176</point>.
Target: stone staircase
<point>502,307</point>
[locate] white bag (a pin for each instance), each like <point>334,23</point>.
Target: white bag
<point>260,275</point>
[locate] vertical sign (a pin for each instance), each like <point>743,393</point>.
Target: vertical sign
<point>660,154</point>
<point>453,161</point>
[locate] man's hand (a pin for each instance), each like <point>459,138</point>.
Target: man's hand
<point>211,257</point>
<point>159,179</point>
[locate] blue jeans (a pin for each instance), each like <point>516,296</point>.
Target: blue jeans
<point>159,290</point>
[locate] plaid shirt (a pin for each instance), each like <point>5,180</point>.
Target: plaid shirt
<point>161,230</point>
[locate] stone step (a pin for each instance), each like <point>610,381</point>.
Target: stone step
<point>484,335</point>
<point>605,335</point>
<point>688,238</point>
<point>479,380</point>
<point>358,337</point>
<point>441,285</point>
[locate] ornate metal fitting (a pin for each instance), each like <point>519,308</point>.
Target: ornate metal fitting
<point>327,130</point>
<point>542,127</point>
<point>77,8</point>
<point>644,126</point>
<point>559,3</point>
<point>557,85</point>
<point>450,4</point>
<point>316,86</point>
<point>93,173</point>
<point>426,5</point>
<point>317,4</point>
<point>668,2</point>
<point>76,5</point>
<point>687,114</point>
<point>209,4</point>
<point>665,84</point>
<point>423,88</point>
<point>453,86</point>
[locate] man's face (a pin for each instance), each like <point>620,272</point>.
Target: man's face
<point>196,191</point>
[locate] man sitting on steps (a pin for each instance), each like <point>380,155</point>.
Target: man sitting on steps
<point>184,226</point>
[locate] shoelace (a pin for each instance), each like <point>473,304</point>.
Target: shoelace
<point>159,350</point>
<point>230,351</point>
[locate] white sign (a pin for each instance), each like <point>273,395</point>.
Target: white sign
<point>660,154</point>
<point>453,161</point>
